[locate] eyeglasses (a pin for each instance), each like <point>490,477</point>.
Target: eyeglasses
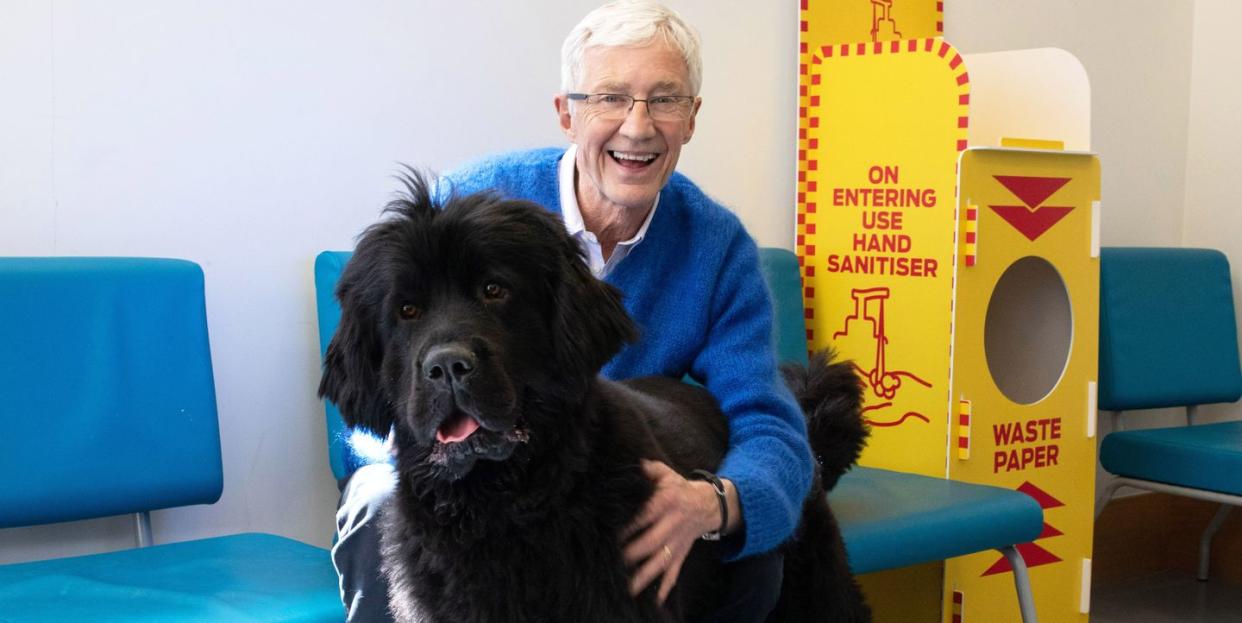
<point>615,106</point>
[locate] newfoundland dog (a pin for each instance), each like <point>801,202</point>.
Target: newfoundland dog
<point>474,332</point>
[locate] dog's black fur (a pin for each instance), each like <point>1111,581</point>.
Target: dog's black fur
<point>484,309</point>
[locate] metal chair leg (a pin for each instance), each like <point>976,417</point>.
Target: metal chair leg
<point>1110,487</point>
<point>1110,482</point>
<point>142,527</point>
<point>1205,542</point>
<point>1022,582</point>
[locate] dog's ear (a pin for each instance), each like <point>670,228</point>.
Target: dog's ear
<point>351,368</point>
<point>591,324</point>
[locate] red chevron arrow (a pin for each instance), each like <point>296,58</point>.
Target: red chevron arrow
<point>1031,223</point>
<point>1032,190</point>
<point>1033,555</point>
<point>1032,219</point>
<point>1043,497</point>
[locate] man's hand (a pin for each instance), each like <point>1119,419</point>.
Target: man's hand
<point>677,514</point>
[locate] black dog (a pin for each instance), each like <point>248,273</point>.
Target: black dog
<point>475,333</point>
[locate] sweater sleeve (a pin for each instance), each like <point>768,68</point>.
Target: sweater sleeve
<point>769,459</point>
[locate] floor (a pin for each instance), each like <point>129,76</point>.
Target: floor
<point>1168,597</point>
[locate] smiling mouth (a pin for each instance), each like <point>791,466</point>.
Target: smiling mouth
<point>633,159</point>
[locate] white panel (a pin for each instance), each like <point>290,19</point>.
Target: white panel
<point>1092,409</point>
<point>1095,229</point>
<point>1036,94</point>
<point>1084,594</point>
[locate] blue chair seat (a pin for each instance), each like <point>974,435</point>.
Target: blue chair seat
<point>1198,457</point>
<point>244,577</point>
<point>894,519</point>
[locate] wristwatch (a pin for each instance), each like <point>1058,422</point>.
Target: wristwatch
<point>710,478</point>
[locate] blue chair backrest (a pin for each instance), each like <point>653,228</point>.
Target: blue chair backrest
<point>780,268</point>
<point>107,401</point>
<point>1168,334</point>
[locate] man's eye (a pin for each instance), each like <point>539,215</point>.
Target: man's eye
<point>409,312</point>
<point>612,99</point>
<point>663,100</point>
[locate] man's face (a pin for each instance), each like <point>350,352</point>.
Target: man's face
<point>623,164</point>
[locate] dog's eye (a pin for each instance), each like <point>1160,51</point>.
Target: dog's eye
<point>494,291</point>
<point>410,312</point>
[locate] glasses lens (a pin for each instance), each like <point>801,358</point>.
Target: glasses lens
<point>669,108</point>
<point>661,108</point>
<point>610,105</point>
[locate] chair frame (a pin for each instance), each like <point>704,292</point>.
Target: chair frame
<point>1227,502</point>
<point>1021,582</point>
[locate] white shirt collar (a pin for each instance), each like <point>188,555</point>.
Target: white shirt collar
<point>571,213</point>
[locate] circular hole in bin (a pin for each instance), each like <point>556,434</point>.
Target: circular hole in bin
<point>1028,330</point>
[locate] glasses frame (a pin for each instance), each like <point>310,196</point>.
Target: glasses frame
<point>688,110</point>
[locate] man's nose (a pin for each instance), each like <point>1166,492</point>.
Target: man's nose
<point>638,122</point>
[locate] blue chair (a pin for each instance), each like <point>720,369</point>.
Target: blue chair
<point>109,409</point>
<point>888,519</point>
<point>1168,338</point>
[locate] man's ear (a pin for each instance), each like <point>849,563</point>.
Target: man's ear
<point>561,103</point>
<point>698,103</point>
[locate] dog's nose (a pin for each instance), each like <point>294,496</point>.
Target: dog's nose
<point>448,364</point>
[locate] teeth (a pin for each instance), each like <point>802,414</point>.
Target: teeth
<point>621,155</point>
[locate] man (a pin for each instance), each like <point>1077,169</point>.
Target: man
<point>630,77</point>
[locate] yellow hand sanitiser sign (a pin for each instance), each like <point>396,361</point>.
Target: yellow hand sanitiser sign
<point>961,278</point>
<point>882,125</point>
<point>877,230</point>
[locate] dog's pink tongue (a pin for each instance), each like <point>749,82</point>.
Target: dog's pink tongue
<point>457,428</point>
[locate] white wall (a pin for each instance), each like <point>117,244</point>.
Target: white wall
<point>1213,205</point>
<point>248,136</point>
<point>1137,57</point>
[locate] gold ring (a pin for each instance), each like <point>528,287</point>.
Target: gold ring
<point>668,553</point>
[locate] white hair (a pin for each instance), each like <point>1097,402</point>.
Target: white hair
<point>630,23</point>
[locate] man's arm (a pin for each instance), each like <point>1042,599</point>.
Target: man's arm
<point>769,461</point>
<point>768,468</point>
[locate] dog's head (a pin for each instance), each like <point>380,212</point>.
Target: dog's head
<point>456,319</point>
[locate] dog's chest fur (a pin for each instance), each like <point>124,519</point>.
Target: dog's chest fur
<point>543,546</point>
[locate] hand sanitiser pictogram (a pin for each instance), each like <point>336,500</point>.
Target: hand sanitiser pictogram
<point>867,322</point>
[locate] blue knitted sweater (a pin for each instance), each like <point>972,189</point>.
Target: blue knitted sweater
<point>695,290</point>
